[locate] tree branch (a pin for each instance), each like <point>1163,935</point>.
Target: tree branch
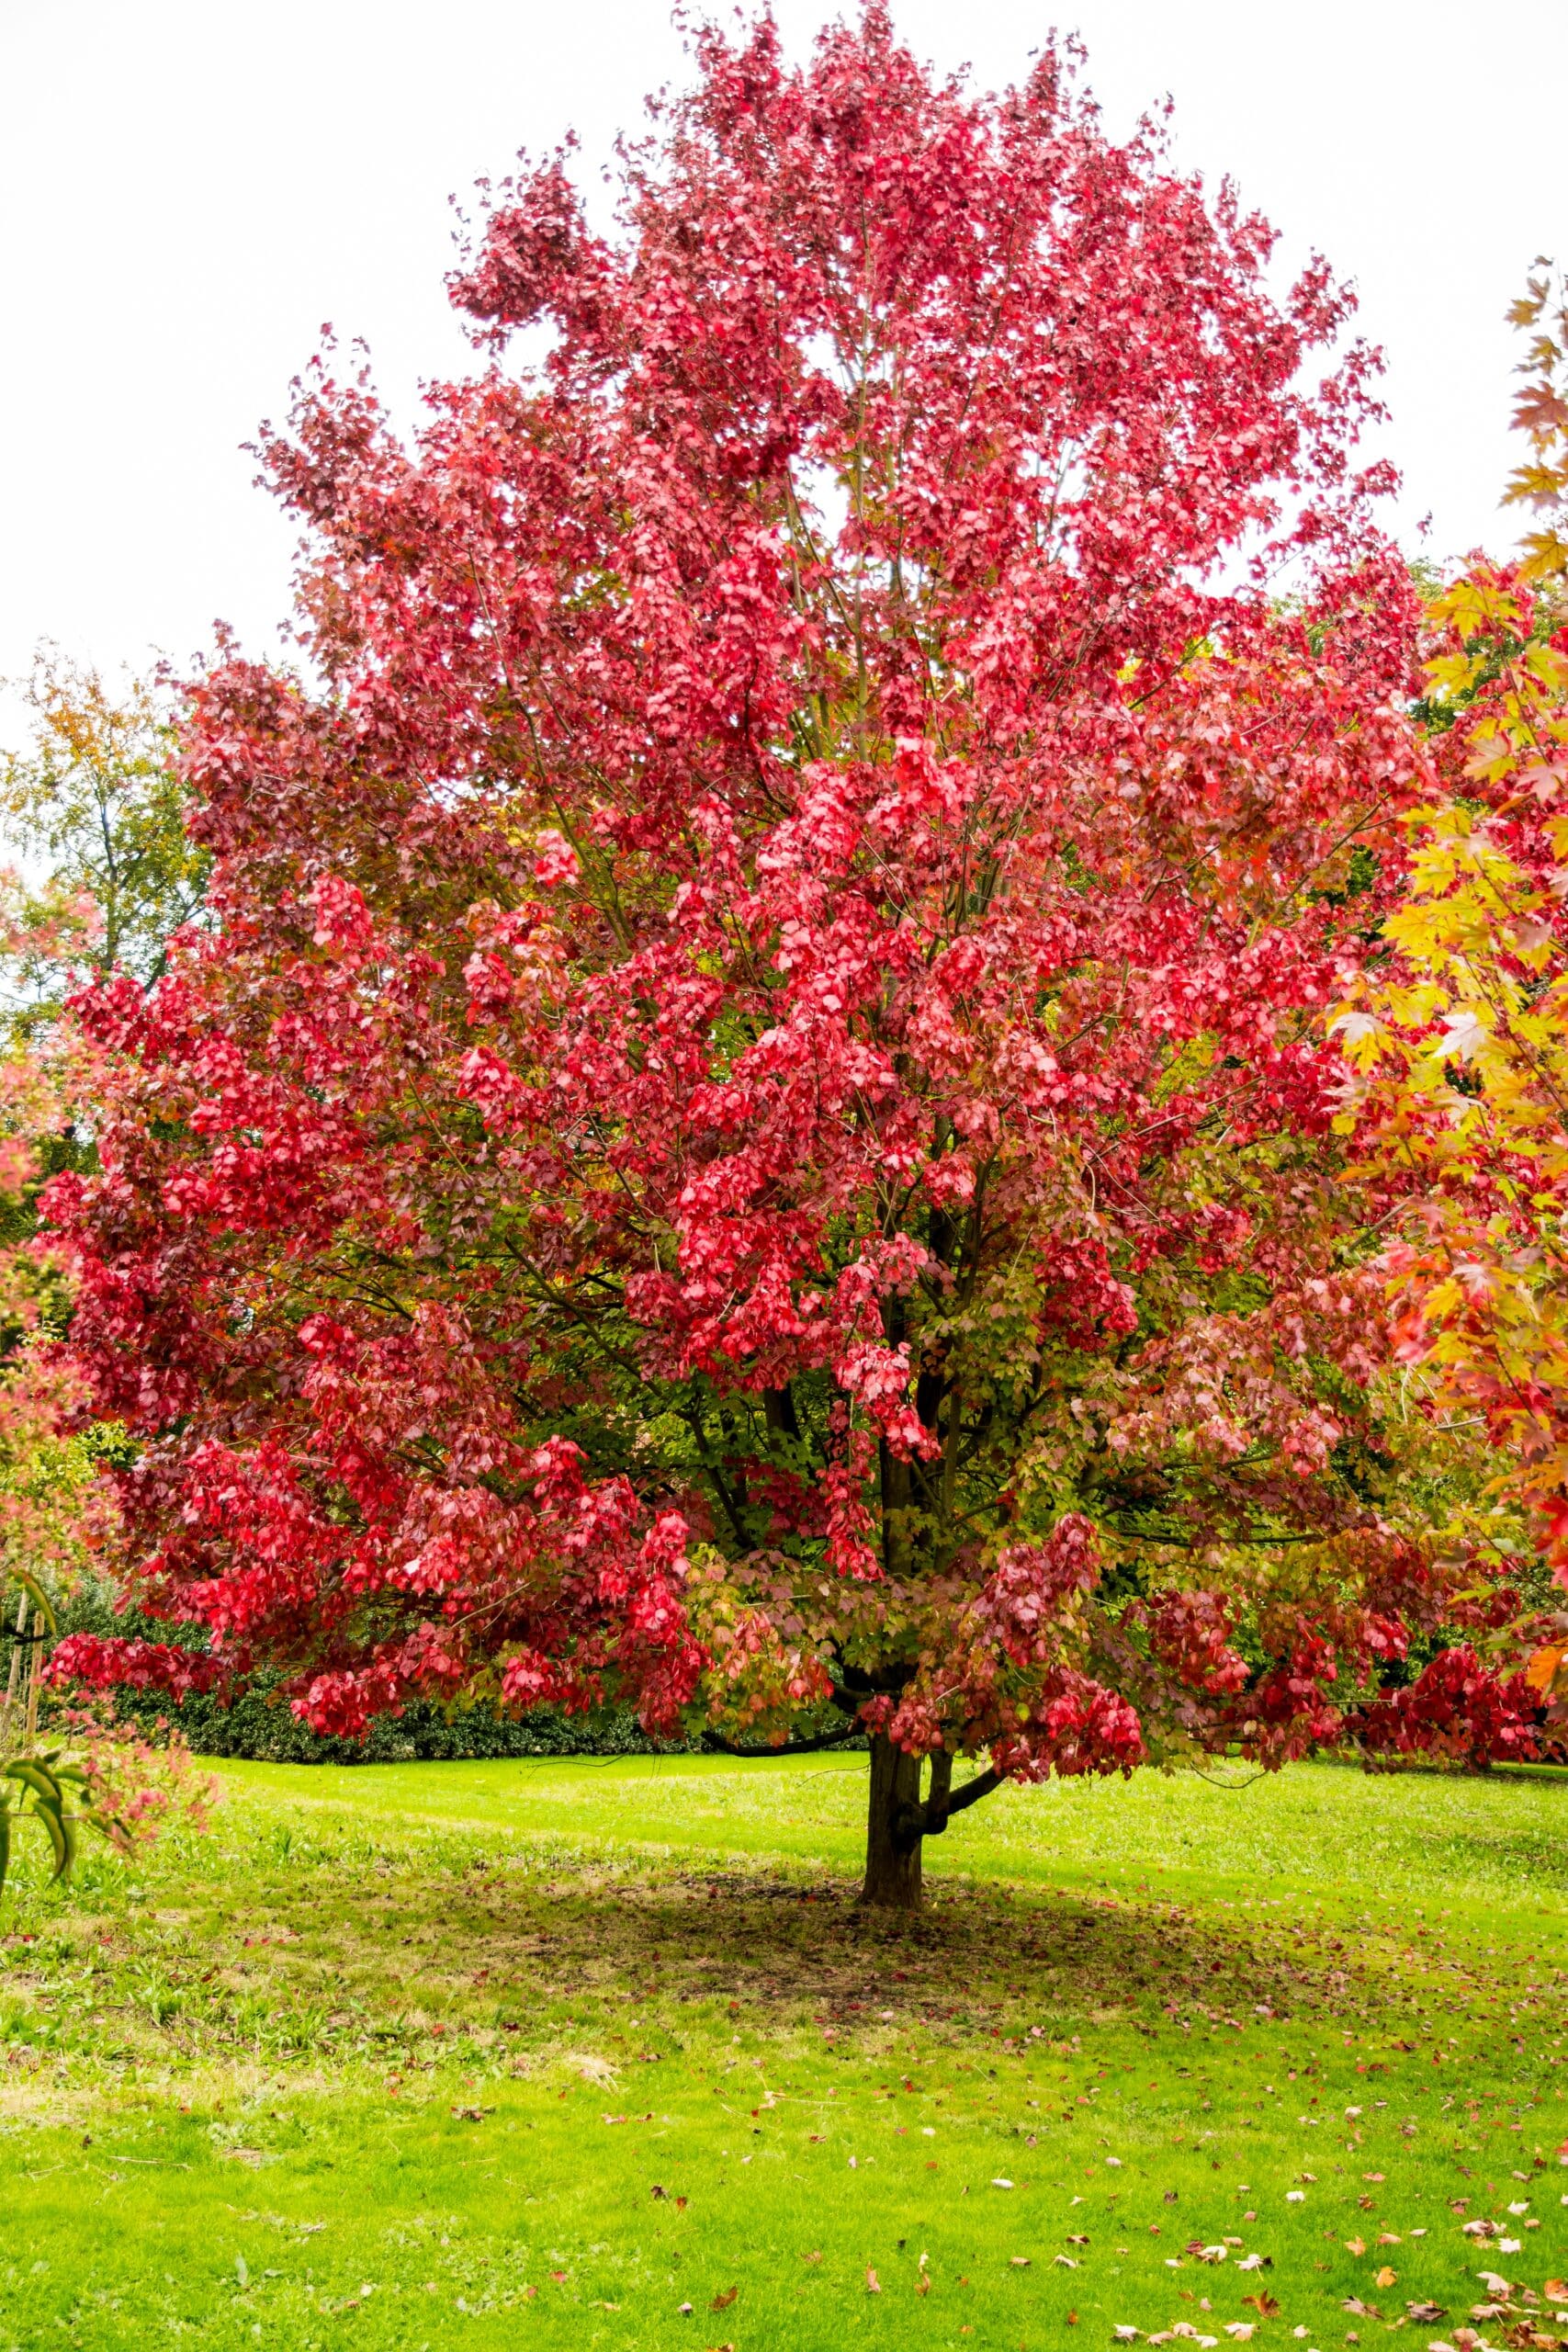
<point>928,1820</point>
<point>717,1745</point>
<point>982,1785</point>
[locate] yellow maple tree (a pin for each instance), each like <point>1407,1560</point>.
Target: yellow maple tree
<point>1458,1039</point>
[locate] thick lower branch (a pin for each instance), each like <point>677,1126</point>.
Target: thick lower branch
<point>717,1745</point>
<point>928,1820</point>
<point>982,1785</point>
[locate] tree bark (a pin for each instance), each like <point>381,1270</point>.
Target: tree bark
<point>892,1838</point>
<point>897,1824</point>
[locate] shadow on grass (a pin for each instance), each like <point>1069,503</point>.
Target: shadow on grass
<point>778,1952</point>
<point>352,1954</point>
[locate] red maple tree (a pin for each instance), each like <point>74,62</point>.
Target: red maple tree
<point>752,1131</point>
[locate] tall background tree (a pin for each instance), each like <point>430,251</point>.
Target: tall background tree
<point>753,1126</point>
<point>1458,1034</point>
<point>95,810</point>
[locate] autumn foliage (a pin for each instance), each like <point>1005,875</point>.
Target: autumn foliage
<point>755,1127</point>
<point>1458,1034</point>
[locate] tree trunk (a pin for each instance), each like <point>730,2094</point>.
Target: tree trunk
<point>892,1844</point>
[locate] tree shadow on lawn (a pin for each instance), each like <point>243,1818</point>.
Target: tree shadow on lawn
<point>436,1961</point>
<point>779,1954</point>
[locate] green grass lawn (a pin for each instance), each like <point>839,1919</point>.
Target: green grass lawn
<point>568,2052</point>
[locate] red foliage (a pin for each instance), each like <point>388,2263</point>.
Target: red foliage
<point>92,1662</point>
<point>1455,1707</point>
<point>754,1120</point>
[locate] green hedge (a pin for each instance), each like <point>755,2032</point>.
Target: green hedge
<point>258,1722</point>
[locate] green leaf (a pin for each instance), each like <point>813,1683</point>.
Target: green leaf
<point>62,1835</point>
<point>37,1595</point>
<point>36,1776</point>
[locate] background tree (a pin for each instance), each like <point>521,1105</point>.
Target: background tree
<point>96,799</point>
<point>52,1511</point>
<point>96,811</point>
<point>753,1125</point>
<point>1461,1036</point>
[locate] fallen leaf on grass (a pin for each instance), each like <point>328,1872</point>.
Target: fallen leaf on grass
<point>723,2300</point>
<point>873,2283</point>
<point>1385,2277</point>
<point>815,2256</point>
<point>1425,2312</point>
<point>1020,2261</point>
<point>1355,2246</point>
<point>1263,2303</point>
<point>478,2114</point>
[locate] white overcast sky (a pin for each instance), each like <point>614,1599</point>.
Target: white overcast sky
<point>189,189</point>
